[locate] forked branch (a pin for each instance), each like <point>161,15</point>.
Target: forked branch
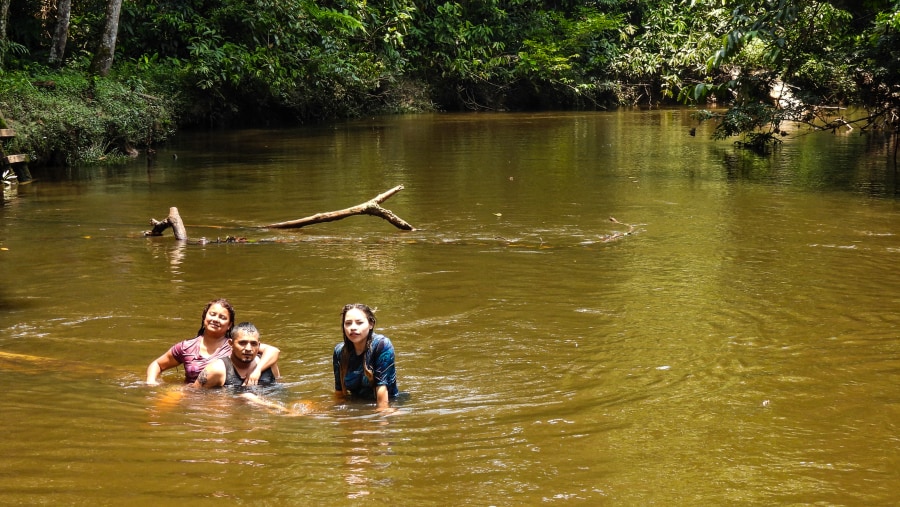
<point>371,207</point>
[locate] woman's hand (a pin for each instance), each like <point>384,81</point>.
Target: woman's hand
<point>253,377</point>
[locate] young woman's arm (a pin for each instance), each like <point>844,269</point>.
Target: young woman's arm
<point>159,365</point>
<point>385,375</point>
<point>268,358</point>
<point>382,399</point>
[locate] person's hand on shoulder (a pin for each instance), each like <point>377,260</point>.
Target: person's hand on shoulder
<point>253,377</point>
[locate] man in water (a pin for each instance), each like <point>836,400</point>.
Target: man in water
<point>233,370</point>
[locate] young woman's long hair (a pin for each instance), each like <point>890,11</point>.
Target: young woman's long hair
<point>349,348</point>
<point>225,304</point>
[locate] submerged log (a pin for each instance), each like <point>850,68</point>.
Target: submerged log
<point>371,207</point>
<point>618,235</point>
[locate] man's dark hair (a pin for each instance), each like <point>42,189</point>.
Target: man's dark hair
<point>244,327</point>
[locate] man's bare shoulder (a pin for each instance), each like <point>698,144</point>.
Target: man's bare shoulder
<point>213,375</point>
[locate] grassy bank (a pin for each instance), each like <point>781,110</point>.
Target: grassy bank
<point>66,117</point>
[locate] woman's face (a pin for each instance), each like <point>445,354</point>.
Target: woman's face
<point>217,320</point>
<point>356,328</point>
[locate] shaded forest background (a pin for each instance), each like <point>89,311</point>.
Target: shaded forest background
<point>100,79</point>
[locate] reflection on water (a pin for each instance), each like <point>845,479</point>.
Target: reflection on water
<point>738,348</point>
<point>364,441</point>
<point>172,251</point>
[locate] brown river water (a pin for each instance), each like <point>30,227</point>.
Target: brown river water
<point>739,347</point>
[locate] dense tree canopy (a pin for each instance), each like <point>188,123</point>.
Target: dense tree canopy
<point>228,61</point>
<point>805,61</point>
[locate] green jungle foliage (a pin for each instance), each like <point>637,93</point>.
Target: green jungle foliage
<point>258,62</point>
<point>64,117</point>
<point>804,62</point>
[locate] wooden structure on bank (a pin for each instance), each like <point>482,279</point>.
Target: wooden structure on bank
<point>12,167</point>
<point>371,207</point>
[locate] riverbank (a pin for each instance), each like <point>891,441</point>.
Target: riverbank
<point>68,118</point>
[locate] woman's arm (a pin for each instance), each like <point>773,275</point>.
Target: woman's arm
<point>385,374</point>
<point>382,400</point>
<point>336,366</point>
<point>159,365</point>
<point>274,407</point>
<point>268,357</point>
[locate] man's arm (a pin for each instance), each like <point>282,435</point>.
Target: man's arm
<point>212,376</point>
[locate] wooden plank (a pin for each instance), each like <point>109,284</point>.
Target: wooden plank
<point>7,133</point>
<point>17,159</point>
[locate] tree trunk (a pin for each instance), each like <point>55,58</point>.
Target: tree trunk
<point>4,17</point>
<point>61,34</point>
<point>103,59</point>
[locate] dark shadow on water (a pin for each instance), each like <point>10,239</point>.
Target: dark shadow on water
<point>9,304</point>
<point>84,173</point>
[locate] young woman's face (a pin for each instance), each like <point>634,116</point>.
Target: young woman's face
<point>357,327</point>
<point>217,320</point>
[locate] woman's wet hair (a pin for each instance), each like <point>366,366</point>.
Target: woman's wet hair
<point>348,345</point>
<point>225,304</point>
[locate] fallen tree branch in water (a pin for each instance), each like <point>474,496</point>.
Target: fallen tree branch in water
<point>606,238</point>
<point>371,207</point>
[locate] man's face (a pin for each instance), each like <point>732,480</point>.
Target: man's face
<point>244,347</point>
